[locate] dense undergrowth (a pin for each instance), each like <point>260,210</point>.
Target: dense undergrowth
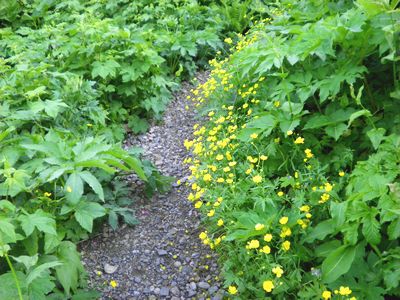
<point>297,168</point>
<point>75,76</point>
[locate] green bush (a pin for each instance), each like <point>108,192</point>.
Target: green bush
<point>297,169</point>
<point>75,76</point>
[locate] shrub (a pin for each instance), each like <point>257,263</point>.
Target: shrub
<point>297,168</point>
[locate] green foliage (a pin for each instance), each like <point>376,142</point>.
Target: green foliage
<point>75,77</point>
<point>302,143</point>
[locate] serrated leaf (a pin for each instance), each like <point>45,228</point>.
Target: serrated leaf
<point>376,136</point>
<point>86,212</point>
<point>370,229</point>
<point>336,131</point>
<point>40,220</point>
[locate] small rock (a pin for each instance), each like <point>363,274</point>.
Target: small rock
<point>175,291</point>
<point>193,286</point>
<point>162,252</point>
<point>203,285</point>
<point>110,269</point>
<point>164,291</point>
<point>177,264</point>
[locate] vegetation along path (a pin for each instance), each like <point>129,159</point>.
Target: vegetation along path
<point>162,257</point>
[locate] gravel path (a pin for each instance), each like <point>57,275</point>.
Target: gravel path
<point>162,257</point>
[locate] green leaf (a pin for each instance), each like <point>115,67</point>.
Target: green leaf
<point>86,212</point>
<point>73,188</point>
<point>370,229</point>
<point>325,249</point>
<point>394,229</point>
<point>51,242</point>
<point>40,220</point>
<point>338,212</point>
<point>69,272</point>
<point>337,263</point>
<point>40,270</point>
<point>336,131</point>
<point>376,136</point>
<point>5,133</point>
<point>7,231</point>
<point>319,232</point>
<point>41,287</point>
<point>104,69</point>
<point>27,261</point>
<point>357,114</point>
<point>95,164</point>
<point>93,183</point>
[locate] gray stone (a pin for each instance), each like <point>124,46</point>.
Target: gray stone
<point>164,291</point>
<point>204,285</point>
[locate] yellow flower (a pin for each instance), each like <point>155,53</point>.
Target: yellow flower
<point>277,103</point>
<point>341,173</point>
<point>305,208</point>
<point>280,193</point>
<point>308,153</point>
<point>47,194</point>
<point>248,171</point>
<point>268,286</point>
<point>69,189</point>
<point>283,220</point>
<point>257,179</point>
<point>232,163</point>
<point>179,182</point>
<point>198,204</point>
<point>220,222</point>
<point>253,244</point>
<point>211,213</point>
<point>299,140</point>
<point>254,135</point>
<point>344,291</point>
<point>211,113</point>
<point>277,271</point>
<point>226,169</point>
<point>263,157</point>
<point>207,177</point>
<point>203,235</point>
<point>326,295</point>
<point>219,157</point>
<point>289,132</point>
<point>232,290</point>
<point>286,245</point>
<point>113,283</point>
<point>228,40</point>
<point>266,249</point>
<point>328,187</point>
<point>308,215</point>
<point>220,180</point>
<point>268,237</point>
<point>286,231</point>
<point>259,226</point>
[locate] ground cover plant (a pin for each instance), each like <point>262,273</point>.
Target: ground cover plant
<point>296,169</point>
<point>75,77</point>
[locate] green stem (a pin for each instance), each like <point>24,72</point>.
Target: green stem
<point>14,276</point>
<point>378,252</point>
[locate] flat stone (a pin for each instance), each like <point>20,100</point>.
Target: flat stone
<point>110,269</point>
<point>162,252</point>
<point>164,291</point>
<point>203,285</point>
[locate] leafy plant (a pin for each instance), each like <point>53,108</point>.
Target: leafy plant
<point>296,169</point>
